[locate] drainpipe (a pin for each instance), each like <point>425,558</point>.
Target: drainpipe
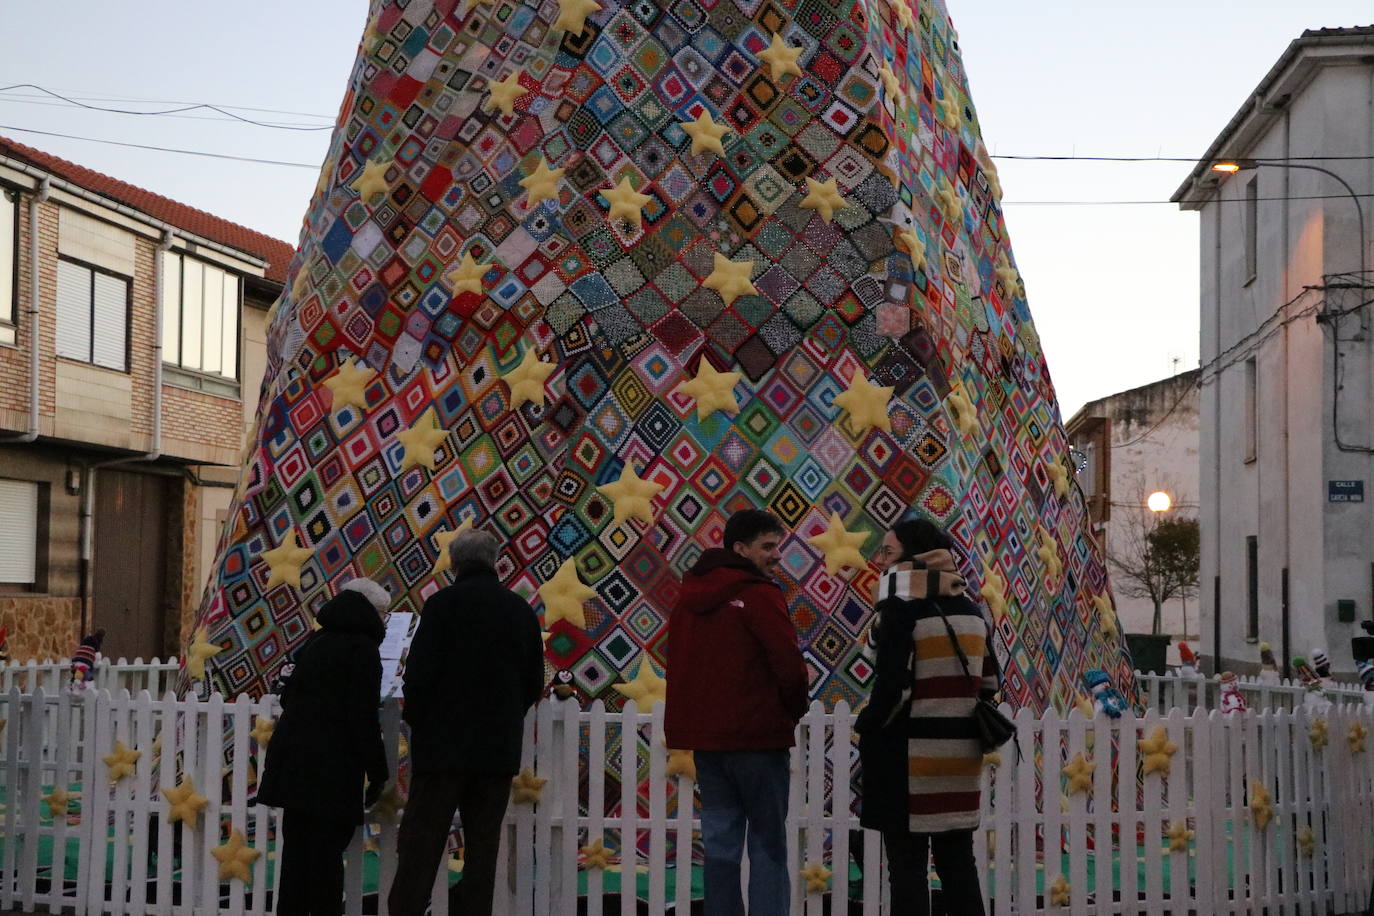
<point>30,433</point>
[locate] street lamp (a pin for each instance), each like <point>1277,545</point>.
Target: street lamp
<point>1159,501</point>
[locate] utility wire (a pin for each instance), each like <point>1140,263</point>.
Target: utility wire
<point>168,111</point>
<point>161,149</point>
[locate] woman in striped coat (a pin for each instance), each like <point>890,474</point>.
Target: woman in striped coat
<point>917,743</point>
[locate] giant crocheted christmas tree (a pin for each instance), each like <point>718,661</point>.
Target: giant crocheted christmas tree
<point>593,276</point>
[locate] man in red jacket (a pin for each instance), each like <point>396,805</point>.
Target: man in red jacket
<point>736,688</point>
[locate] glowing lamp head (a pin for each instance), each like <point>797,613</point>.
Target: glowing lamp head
<point>1159,501</point>
<point>1229,168</point>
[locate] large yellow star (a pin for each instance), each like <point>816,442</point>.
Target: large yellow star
<point>1060,475</point>
<point>730,278</point>
<point>951,112</point>
<point>183,803</point>
<point>390,804</point>
<point>421,441</point>
<point>572,15</point>
<point>962,408</point>
<point>823,197</point>
<point>236,858</point>
<point>262,730</point>
<point>441,540</point>
<point>994,591</point>
<point>504,93</point>
<point>1317,734</point>
<point>950,204</point>
<point>817,878</point>
<point>682,763</point>
<point>285,561</point>
<point>1307,842</point>
<point>467,276</point>
<point>706,134</point>
<point>371,180</point>
<point>58,800</point>
<point>866,403</point>
<point>527,379</point>
<point>349,385</point>
<point>542,183</point>
<point>627,203</point>
<point>646,688</point>
<point>1158,750</point>
<point>915,248</point>
<point>595,855</point>
<point>201,649</point>
<point>1080,774</point>
<point>120,761</point>
<point>1060,889</point>
<point>1179,836</point>
<point>1011,280</point>
<point>840,546</point>
<point>781,58</point>
<point>1048,551</point>
<point>631,496</point>
<point>890,82</point>
<point>713,390</point>
<point>564,596</point>
<point>527,788</point>
<point>1106,617</point>
<point>1261,804</point>
<point>1355,738</point>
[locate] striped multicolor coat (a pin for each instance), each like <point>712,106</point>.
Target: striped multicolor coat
<point>922,765</point>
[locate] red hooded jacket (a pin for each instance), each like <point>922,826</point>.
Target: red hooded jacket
<point>736,679</point>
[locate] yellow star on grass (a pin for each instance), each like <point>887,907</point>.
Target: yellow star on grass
<point>706,134</point>
<point>866,403</point>
<point>564,596</point>
<point>631,496</point>
<point>1307,842</point>
<point>965,417</point>
<point>911,243</point>
<point>262,730</point>
<point>421,440</point>
<point>120,761</point>
<point>951,113</point>
<point>1180,836</point>
<point>890,82</point>
<point>627,203</point>
<point>572,14</point>
<point>682,763</point>
<point>595,855</point>
<point>1059,891</point>
<point>1158,750</point>
<point>730,278</point>
<point>236,858</point>
<point>527,380</point>
<point>1106,617</point>
<point>527,788</point>
<point>349,385</point>
<point>948,199</point>
<point>817,878</point>
<point>183,803</point>
<point>504,93</point>
<point>1355,738</point>
<point>58,800</point>
<point>1080,774</point>
<point>467,276</point>
<point>542,183</point>
<point>441,540</point>
<point>1048,551</point>
<point>1318,735</point>
<point>371,180</point>
<point>1261,804</point>
<point>1060,475</point>
<point>201,649</point>
<point>994,591</point>
<point>840,546</point>
<point>713,390</point>
<point>781,58</point>
<point>1011,280</point>
<point>823,197</point>
<point>646,688</point>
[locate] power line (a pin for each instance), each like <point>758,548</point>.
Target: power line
<point>196,106</point>
<point>161,149</point>
<point>142,100</point>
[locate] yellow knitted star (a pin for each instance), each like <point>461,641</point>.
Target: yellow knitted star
<point>201,649</point>
<point>262,731</point>
<point>183,803</point>
<point>421,440</point>
<point>1355,738</point>
<point>911,243</point>
<point>994,591</point>
<point>682,763</point>
<point>627,203</point>
<point>1080,774</point>
<point>1011,280</point>
<point>948,199</point>
<point>572,15</point>
<point>349,385</point>
<point>1059,892</point>
<point>904,16</point>
<point>564,595</point>
<point>840,546</point>
<point>389,805</point>
<point>890,82</point>
<point>992,759</point>
<point>713,390</point>
<point>823,197</point>
<point>951,112</point>
<point>467,276</point>
<point>706,134</point>
<point>1060,475</point>
<point>1158,750</point>
<point>527,788</point>
<point>781,58</point>
<point>285,561</point>
<point>504,93</point>
<point>631,496</point>
<point>1048,551</point>
<point>1307,842</point>
<point>58,800</point>
<point>817,878</point>
<point>527,380</point>
<point>542,183</point>
<point>1106,617</point>
<point>646,688</point>
<point>595,855</point>
<point>730,278</point>
<point>1318,735</point>
<point>371,180</point>
<point>121,761</point>
<point>965,417</point>
<point>1261,804</point>
<point>236,858</point>
<point>441,540</point>
<point>1179,836</point>
<point>866,403</point>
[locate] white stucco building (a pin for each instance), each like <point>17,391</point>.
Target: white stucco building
<point>1287,445</point>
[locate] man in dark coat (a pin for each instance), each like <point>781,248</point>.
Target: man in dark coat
<point>326,743</point>
<point>736,688</point>
<point>475,668</point>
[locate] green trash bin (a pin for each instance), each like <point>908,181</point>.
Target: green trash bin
<point>1148,652</point>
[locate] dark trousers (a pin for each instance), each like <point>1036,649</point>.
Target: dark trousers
<point>744,802</point>
<point>312,872</point>
<point>908,859</point>
<point>481,804</point>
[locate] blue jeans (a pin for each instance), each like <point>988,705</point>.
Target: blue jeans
<point>745,793</point>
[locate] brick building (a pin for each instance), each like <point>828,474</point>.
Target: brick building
<point>121,433</point>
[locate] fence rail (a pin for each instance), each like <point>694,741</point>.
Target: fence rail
<point>1108,849</point>
<point>1167,691</point>
<point>156,676</point>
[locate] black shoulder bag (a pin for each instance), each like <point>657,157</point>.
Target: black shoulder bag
<point>994,729</point>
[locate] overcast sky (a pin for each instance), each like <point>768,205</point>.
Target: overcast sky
<point>1113,289</point>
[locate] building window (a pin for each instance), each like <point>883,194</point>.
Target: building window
<point>1251,228</point>
<point>200,316</point>
<point>92,315</point>
<point>9,264</point>
<point>1251,409</point>
<point>1252,587</point>
<point>19,540</point>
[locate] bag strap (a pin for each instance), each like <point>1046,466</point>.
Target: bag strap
<point>953,640</point>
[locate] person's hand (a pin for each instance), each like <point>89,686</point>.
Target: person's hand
<point>375,788</point>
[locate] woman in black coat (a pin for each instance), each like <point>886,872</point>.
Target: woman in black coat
<point>327,742</point>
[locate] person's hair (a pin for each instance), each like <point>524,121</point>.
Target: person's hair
<point>374,592</point>
<point>918,536</point>
<point>473,550</point>
<point>748,524</point>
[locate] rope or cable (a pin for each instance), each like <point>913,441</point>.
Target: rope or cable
<point>161,149</point>
<point>168,111</point>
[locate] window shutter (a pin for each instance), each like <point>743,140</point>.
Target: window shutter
<point>111,322</point>
<point>73,311</point>
<point>18,531</point>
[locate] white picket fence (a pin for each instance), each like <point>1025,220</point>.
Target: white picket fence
<point>1110,847</point>
<point>1169,691</point>
<point>157,676</point>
